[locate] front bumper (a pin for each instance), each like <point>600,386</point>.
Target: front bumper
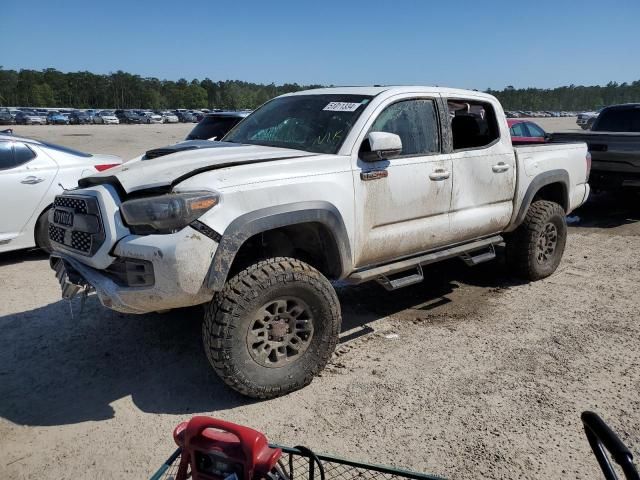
<point>181,262</point>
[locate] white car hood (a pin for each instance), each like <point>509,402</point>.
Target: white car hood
<point>166,171</point>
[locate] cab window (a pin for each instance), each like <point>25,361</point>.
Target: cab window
<point>473,124</point>
<point>415,122</point>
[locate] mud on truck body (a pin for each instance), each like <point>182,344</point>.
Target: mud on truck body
<point>353,184</point>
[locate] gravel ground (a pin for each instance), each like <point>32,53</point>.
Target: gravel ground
<point>471,374</point>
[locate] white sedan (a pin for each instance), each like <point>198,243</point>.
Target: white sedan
<point>32,173</point>
<point>150,117</point>
<point>105,117</point>
<point>169,117</point>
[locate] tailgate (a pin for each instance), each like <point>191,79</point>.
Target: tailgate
<point>610,151</point>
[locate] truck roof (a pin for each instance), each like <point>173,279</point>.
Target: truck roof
<point>392,89</point>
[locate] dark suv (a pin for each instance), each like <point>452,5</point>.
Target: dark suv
<point>214,126</point>
<point>79,118</point>
<point>128,116</point>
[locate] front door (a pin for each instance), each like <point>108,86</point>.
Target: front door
<point>402,204</point>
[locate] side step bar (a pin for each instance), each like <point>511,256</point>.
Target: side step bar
<point>472,253</point>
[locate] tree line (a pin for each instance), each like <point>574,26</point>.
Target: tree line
<point>52,88</point>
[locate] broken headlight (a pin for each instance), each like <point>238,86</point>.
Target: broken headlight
<point>166,213</point>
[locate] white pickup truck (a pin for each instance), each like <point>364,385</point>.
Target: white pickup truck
<point>356,184</point>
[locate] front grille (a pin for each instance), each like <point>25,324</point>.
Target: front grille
<point>81,241</point>
<point>56,234</point>
<point>78,204</point>
<point>76,225</point>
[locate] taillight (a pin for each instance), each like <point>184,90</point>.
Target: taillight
<point>106,166</point>
<point>588,158</point>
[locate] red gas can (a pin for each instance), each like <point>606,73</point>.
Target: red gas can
<point>213,449</point>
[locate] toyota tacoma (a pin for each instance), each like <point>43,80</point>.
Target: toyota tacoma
<point>353,184</point>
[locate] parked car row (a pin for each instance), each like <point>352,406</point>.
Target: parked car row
<point>40,116</point>
<point>539,114</point>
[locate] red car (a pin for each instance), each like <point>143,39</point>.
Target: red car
<point>525,131</point>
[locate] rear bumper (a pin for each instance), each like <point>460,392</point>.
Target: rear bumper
<point>180,261</point>
<point>579,196</point>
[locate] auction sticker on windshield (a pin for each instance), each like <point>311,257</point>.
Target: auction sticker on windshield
<point>341,107</point>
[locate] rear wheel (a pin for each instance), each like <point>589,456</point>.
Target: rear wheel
<point>272,328</point>
<point>535,248</point>
<point>42,232</point>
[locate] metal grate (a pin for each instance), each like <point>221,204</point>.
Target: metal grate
<point>56,234</point>
<point>298,466</point>
<point>81,241</point>
<point>78,204</point>
<point>295,465</point>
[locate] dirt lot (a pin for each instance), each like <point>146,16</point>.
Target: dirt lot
<point>471,374</point>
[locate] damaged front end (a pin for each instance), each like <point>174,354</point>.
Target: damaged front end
<point>142,266</point>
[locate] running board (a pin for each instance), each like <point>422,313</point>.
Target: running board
<point>382,272</point>
<point>397,283</point>
<point>472,258</point>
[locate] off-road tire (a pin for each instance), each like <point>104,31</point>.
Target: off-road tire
<point>230,316</point>
<point>42,232</point>
<point>523,244</point>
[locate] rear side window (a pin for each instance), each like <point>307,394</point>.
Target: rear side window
<point>619,120</point>
<point>473,124</point>
<point>518,130</point>
<point>415,122</point>
<point>534,130</point>
<point>14,154</point>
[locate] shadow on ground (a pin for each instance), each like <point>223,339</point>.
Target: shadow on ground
<point>608,210</point>
<point>58,368</point>
<point>22,256</point>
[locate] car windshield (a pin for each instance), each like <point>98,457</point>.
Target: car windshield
<point>619,120</point>
<point>313,123</point>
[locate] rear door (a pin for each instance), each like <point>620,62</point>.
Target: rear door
<point>25,178</point>
<point>484,176</point>
<point>402,204</point>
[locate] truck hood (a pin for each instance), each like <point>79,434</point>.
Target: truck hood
<point>162,173</point>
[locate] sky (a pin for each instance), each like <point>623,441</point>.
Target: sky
<point>455,43</point>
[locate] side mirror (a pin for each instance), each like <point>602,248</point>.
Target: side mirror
<point>382,146</point>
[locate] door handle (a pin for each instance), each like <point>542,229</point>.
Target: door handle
<point>439,174</point>
<point>500,167</point>
<point>31,180</point>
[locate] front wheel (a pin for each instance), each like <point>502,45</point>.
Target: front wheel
<point>535,248</point>
<point>272,328</point>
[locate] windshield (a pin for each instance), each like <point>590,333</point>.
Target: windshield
<point>625,119</point>
<point>313,123</point>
